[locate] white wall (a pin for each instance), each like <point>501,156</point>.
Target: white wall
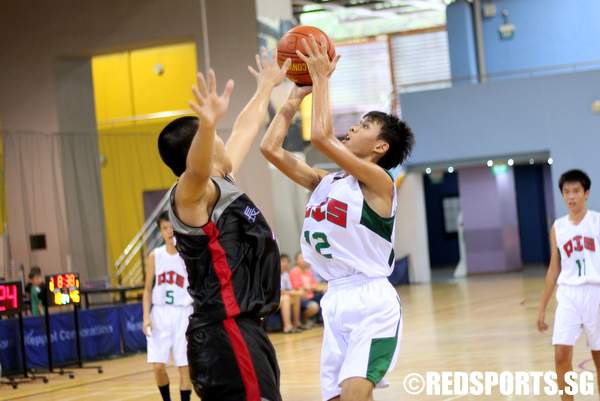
<point>411,228</point>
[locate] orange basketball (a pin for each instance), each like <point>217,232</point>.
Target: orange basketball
<point>292,41</point>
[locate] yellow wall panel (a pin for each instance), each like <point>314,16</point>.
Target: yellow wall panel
<point>112,90</point>
<point>305,116</point>
<point>169,90</point>
<point>128,89</point>
<point>132,166</point>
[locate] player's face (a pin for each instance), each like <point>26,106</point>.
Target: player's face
<point>37,280</point>
<point>166,230</point>
<point>362,139</point>
<point>575,196</point>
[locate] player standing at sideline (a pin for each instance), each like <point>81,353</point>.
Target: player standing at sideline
<point>348,231</point>
<point>229,250</point>
<point>167,308</point>
<point>575,267</point>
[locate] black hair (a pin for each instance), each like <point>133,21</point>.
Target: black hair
<point>174,142</point>
<point>284,256</point>
<point>397,134</point>
<point>575,176</point>
<point>35,271</point>
<point>163,216</point>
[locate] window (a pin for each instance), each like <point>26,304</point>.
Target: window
<point>421,61</point>
<point>361,82</point>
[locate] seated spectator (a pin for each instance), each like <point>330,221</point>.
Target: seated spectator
<point>36,291</point>
<point>290,299</point>
<point>302,278</point>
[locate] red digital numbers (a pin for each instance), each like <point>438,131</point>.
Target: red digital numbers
<point>67,280</point>
<point>9,297</point>
<point>70,279</point>
<point>64,289</point>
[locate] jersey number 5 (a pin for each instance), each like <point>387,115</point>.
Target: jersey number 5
<point>170,298</point>
<point>321,243</point>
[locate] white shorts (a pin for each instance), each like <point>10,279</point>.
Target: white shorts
<point>363,326</point>
<point>578,309</point>
<point>169,324</point>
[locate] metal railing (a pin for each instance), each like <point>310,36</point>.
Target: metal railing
<point>129,266</point>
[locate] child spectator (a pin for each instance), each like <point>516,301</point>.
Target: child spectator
<point>303,279</point>
<point>290,299</point>
<point>36,291</point>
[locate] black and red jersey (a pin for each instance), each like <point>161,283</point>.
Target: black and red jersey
<point>232,261</point>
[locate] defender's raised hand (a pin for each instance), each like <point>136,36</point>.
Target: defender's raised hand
<point>268,72</point>
<point>208,104</point>
<point>317,58</point>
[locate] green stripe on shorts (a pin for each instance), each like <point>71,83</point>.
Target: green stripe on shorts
<point>381,354</point>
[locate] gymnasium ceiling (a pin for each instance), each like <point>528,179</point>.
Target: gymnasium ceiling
<point>347,19</point>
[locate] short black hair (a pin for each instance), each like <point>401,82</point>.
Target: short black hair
<point>174,142</point>
<point>575,176</point>
<point>397,134</point>
<point>284,256</point>
<point>163,216</point>
<point>35,271</point>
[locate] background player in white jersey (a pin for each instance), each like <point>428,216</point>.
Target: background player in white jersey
<point>167,307</point>
<point>575,267</point>
<point>348,232</point>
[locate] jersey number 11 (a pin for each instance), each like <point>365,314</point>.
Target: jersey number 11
<point>580,267</point>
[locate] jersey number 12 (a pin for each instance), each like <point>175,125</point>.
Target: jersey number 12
<point>321,243</point>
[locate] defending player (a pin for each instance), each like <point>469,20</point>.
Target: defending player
<point>229,250</point>
<point>348,232</point>
<point>575,267</point>
<point>166,322</point>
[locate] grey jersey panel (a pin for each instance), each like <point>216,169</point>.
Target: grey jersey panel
<point>228,193</point>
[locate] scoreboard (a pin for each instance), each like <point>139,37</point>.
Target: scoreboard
<point>63,289</point>
<point>11,297</point>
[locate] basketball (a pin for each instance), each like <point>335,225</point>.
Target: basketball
<point>292,41</point>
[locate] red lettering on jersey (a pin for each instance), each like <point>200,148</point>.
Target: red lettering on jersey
<point>578,244</point>
<point>180,281</point>
<point>568,247</point>
<point>589,244</point>
<point>171,277</point>
<point>337,212</point>
<point>161,278</point>
<point>581,243</point>
<point>318,214</point>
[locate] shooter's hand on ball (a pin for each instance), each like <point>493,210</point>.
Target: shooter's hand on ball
<point>209,105</point>
<point>319,64</point>
<point>268,73</point>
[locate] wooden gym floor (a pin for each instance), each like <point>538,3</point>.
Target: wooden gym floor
<point>480,323</point>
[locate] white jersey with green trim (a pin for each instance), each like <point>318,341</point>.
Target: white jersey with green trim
<point>342,235</point>
<point>578,247</point>
<point>170,279</point>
